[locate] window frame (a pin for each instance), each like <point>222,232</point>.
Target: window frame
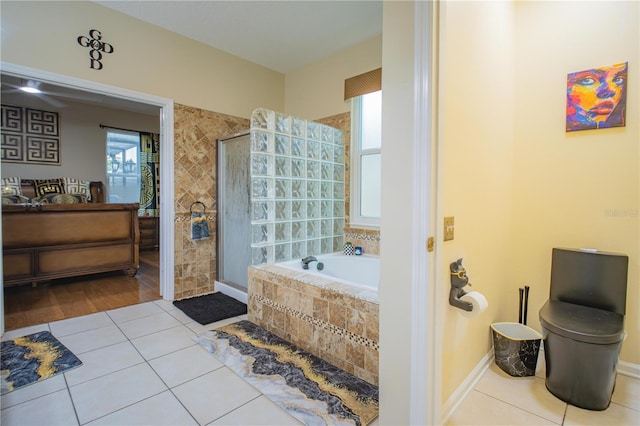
<point>356,218</point>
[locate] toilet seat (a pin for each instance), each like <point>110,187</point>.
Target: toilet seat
<point>582,323</point>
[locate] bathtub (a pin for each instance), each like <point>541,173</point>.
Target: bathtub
<point>362,271</point>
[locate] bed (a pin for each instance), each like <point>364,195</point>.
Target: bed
<point>49,241</point>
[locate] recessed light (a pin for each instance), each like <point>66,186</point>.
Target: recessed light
<point>30,86</point>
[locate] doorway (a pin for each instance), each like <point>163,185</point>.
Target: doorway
<point>165,106</point>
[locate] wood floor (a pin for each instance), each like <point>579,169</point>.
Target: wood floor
<point>66,298</point>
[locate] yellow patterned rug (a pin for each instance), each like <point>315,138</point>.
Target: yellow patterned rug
<point>307,387</point>
<point>33,358</point>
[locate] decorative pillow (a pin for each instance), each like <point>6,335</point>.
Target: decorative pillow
<point>61,199</point>
<point>14,199</point>
<point>77,187</point>
<point>11,186</point>
<point>48,186</point>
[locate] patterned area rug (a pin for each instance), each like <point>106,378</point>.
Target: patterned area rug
<point>308,388</point>
<point>33,358</point>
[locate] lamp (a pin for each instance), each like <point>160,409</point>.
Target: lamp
<point>129,166</point>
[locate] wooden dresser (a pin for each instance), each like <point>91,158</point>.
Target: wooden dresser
<point>149,232</point>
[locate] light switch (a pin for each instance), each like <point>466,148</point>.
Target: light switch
<point>448,228</point>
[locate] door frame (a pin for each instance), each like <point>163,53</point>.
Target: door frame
<point>167,189</point>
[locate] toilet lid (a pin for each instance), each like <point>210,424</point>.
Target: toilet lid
<point>582,323</point>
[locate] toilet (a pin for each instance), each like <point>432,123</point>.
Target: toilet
<point>583,325</point>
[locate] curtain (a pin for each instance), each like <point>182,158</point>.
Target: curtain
<point>149,174</point>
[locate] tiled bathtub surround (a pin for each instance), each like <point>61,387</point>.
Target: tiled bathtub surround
<point>317,314</point>
<point>297,187</point>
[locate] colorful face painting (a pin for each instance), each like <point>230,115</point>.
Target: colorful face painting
<point>597,98</point>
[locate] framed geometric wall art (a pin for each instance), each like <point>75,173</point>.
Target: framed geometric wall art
<point>597,98</point>
<point>30,136</point>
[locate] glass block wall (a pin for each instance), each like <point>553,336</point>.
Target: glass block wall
<point>297,188</point>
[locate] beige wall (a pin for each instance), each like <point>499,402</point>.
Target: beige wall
<point>397,209</point>
<point>82,141</point>
<point>477,131</point>
<point>323,81</point>
<point>577,189</point>
<point>146,59</point>
<point>515,181</point>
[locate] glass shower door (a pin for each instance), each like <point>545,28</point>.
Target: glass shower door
<point>234,245</point>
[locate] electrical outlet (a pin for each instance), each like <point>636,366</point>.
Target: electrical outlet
<point>448,228</point>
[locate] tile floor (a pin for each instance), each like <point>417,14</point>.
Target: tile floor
<point>141,367</point>
<point>499,399</point>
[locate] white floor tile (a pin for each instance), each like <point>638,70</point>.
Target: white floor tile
<point>104,361</point>
<point>480,409</point>
<point>159,410</point>
<point>149,324</point>
<point>163,342</point>
<point>166,305</point>
<point>53,409</point>
<point>132,312</point>
<point>106,394</point>
<point>627,392</point>
<point>33,391</point>
<point>260,411</point>
<point>614,415</point>
<point>528,393</point>
<point>215,394</point>
<point>78,324</point>
<point>14,334</point>
<point>180,316</point>
<point>86,341</point>
<point>184,365</point>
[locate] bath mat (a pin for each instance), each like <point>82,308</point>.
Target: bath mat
<point>33,358</point>
<point>307,387</point>
<point>211,307</point>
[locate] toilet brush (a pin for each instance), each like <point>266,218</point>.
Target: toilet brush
<point>526,303</point>
<point>521,291</point>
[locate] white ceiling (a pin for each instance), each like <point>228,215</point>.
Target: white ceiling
<point>280,35</point>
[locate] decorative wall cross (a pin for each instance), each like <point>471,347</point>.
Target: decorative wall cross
<point>98,47</point>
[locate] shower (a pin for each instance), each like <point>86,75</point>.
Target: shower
<point>234,219</point>
<point>280,194</point>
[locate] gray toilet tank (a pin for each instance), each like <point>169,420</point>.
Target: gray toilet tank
<point>583,325</point>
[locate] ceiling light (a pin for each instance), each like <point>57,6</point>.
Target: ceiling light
<point>30,86</point>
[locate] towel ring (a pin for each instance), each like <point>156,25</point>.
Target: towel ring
<point>204,208</point>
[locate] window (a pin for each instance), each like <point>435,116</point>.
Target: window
<point>366,155</point>
<point>123,171</point>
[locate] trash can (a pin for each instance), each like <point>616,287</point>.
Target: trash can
<point>516,348</point>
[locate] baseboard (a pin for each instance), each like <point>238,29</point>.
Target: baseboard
<point>629,369</point>
<point>466,386</point>
<point>231,291</point>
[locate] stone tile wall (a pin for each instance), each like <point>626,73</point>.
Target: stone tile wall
<point>317,315</point>
<point>195,164</point>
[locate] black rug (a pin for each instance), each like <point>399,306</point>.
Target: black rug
<point>211,307</point>
<point>33,358</point>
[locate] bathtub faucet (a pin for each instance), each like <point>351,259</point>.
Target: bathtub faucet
<point>307,260</point>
